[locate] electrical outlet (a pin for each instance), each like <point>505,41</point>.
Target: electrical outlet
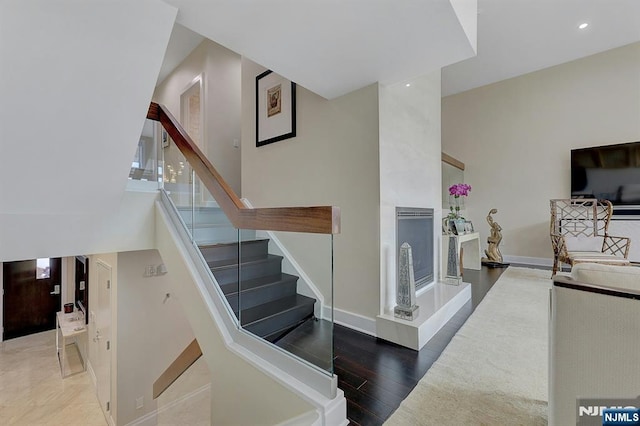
<point>139,402</point>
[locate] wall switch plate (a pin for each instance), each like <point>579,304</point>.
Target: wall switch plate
<point>150,271</point>
<point>139,402</point>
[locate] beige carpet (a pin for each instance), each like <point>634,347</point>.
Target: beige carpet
<point>494,371</point>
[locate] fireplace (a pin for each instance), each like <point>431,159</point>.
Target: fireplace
<point>415,226</point>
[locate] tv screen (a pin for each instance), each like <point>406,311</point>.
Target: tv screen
<point>609,172</point>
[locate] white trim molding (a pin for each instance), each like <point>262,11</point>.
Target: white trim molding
<point>353,321</point>
<point>151,417</point>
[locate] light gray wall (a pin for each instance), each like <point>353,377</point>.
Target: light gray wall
<point>333,160</point>
<point>515,139</point>
<point>221,69</point>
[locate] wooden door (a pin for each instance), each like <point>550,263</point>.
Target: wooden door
<point>30,301</point>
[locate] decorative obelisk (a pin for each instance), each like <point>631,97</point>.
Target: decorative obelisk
<point>453,272</point>
<point>406,286</point>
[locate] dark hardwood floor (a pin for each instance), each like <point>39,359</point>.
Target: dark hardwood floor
<point>376,375</point>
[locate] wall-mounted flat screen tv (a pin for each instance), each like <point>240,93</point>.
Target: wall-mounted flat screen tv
<point>610,172</point>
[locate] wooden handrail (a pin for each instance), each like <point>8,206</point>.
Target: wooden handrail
<point>452,161</point>
<point>318,220</point>
<point>177,368</point>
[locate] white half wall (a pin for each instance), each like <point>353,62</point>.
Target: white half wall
<point>515,138</point>
<point>220,68</point>
<point>333,160</point>
<point>410,167</point>
<point>72,106</point>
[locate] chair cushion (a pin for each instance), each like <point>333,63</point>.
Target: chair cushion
<point>627,277</point>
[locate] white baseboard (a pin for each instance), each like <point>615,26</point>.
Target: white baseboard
<point>309,418</point>
<point>92,374</point>
<point>533,261</point>
<point>151,417</point>
<point>356,322</point>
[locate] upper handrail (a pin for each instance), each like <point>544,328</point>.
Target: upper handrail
<point>318,220</point>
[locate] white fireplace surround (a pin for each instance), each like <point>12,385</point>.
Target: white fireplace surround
<point>437,301</point>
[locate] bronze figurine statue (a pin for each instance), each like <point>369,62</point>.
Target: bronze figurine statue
<point>494,257</point>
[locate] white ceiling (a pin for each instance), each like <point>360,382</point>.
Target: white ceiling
<point>332,47</point>
<point>516,37</point>
<point>181,43</point>
<point>72,105</point>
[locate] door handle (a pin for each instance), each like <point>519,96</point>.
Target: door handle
<point>56,289</point>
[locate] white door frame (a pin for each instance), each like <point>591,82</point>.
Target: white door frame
<point>101,335</point>
<point>197,84</point>
<point>184,110</point>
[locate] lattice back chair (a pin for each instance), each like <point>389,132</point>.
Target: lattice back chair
<point>577,222</point>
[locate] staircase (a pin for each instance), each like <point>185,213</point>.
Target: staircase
<point>196,237</point>
<point>264,299</point>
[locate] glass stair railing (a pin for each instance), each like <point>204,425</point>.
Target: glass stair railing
<point>253,255</point>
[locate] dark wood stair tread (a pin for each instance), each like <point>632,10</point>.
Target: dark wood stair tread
<point>274,308</point>
<point>252,284</point>
<point>219,265</point>
<point>234,243</point>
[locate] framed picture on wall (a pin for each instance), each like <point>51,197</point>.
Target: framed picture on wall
<point>275,108</point>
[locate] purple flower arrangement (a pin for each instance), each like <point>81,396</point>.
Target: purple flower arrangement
<point>458,190</point>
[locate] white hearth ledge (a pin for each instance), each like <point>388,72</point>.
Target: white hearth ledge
<point>437,306</point>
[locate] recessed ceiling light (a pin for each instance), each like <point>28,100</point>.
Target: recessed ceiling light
<point>408,84</point>
<point>583,25</point>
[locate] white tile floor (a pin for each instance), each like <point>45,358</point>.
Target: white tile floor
<point>32,391</point>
